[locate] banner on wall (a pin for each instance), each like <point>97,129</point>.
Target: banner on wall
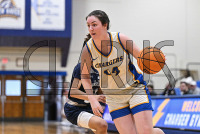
<point>174,113</point>
<point>48,15</point>
<point>177,113</point>
<point>12,14</point>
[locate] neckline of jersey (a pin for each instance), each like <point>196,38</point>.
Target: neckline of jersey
<point>110,44</point>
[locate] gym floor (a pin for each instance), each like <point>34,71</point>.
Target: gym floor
<point>42,128</point>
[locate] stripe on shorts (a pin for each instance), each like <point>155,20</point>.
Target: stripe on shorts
<point>120,112</point>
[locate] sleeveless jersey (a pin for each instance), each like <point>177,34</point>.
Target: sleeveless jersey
<point>115,69</point>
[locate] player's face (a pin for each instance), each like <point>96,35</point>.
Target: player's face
<point>95,27</point>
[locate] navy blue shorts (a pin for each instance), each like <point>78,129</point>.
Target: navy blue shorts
<point>72,112</point>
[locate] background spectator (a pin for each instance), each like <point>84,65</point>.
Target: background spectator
<point>193,88</point>
<point>151,89</point>
<point>184,87</point>
<point>168,90</point>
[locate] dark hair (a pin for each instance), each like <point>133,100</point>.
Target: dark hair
<point>102,16</point>
<point>150,86</point>
<point>86,39</point>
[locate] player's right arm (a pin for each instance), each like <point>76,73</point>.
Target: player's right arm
<point>86,63</point>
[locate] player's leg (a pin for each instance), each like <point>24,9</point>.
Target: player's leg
<point>144,125</point>
<point>88,120</point>
<point>98,124</point>
<point>125,124</point>
<point>143,122</point>
<point>141,108</point>
<point>157,131</point>
<point>121,113</point>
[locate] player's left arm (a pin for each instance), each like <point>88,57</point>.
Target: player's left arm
<point>129,45</point>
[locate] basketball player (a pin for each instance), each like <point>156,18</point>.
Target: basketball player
<point>78,110</point>
<point>127,97</point>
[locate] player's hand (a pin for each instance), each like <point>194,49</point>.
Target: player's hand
<point>96,107</point>
<point>101,98</point>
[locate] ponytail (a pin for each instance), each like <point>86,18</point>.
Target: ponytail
<point>86,39</point>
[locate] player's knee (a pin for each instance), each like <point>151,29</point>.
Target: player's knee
<point>157,131</point>
<point>102,125</point>
<point>146,130</point>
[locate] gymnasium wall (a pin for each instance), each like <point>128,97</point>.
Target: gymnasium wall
<point>38,61</point>
<point>153,20</point>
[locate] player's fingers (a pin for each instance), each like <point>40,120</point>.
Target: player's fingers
<point>100,109</point>
<point>103,97</point>
<point>99,98</point>
<point>97,113</point>
<point>102,100</point>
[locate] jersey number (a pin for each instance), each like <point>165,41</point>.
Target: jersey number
<point>114,70</point>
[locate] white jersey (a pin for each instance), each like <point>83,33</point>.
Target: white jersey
<point>115,69</point>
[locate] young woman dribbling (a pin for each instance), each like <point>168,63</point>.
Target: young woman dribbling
<point>127,97</point>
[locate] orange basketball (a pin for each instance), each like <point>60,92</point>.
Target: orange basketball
<point>151,60</point>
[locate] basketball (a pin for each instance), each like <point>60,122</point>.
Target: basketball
<point>151,60</point>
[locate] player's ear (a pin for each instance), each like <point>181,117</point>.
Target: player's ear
<point>105,26</point>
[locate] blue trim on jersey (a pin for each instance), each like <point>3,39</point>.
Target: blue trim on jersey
<point>120,113</point>
<point>89,50</point>
<point>110,44</point>
<point>138,76</point>
<point>121,43</point>
<point>142,107</point>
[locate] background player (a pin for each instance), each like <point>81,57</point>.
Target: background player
<point>78,110</point>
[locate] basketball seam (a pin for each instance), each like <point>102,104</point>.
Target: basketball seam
<point>151,60</point>
<point>140,59</point>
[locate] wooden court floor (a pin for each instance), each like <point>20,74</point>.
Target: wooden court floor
<point>42,128</point>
